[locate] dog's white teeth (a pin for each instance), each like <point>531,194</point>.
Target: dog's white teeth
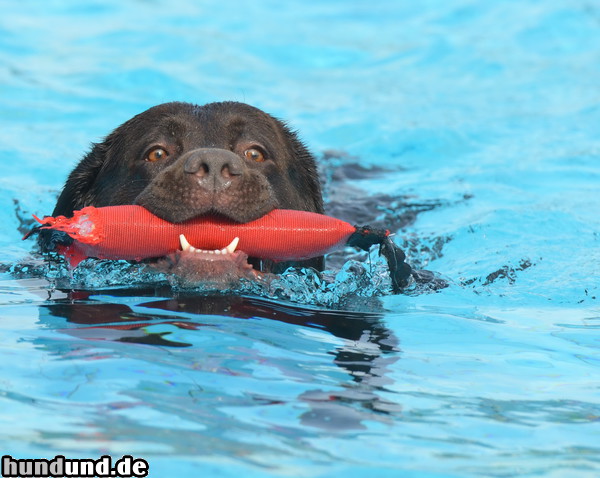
<point>233,245</point>
<point>185,245</point>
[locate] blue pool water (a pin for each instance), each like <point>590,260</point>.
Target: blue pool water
<point>472,128</point>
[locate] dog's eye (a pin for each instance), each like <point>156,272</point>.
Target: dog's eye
<point>254,154</point>
<point>156,154</point>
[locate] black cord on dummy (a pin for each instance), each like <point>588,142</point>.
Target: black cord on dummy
<point>365,237</point>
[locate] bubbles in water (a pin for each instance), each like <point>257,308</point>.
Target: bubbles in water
<point>100,274</point>
<point>329,288</point>
<point>305,286</point>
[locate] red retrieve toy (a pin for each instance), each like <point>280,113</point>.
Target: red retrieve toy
<point>134,233</point>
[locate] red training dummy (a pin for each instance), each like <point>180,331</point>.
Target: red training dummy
<point>134,233</point>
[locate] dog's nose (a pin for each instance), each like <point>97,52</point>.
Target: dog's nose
<point>214,168</point>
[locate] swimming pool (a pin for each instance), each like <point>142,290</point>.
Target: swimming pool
<point>474,127</point>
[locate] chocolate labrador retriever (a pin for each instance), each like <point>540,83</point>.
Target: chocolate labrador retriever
<point>181,161</point>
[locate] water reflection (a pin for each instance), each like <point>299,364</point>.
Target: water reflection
<point>364,347</point>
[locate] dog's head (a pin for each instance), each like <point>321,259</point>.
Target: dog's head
<point>180,161</point>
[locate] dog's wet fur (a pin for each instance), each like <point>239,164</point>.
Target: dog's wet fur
<point>181,161</point>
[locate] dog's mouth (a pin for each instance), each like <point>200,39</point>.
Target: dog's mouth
<point>217,268</point>
<point>215,254</point>
<point>197,258</point>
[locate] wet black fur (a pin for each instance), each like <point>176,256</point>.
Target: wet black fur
<point>115,171</point>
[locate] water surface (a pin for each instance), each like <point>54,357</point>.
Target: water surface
<point>471,129</point>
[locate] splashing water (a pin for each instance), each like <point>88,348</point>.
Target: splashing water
<point>329,288</point>
<point>471,129</point>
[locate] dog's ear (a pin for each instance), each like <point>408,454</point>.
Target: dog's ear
<point>303,172</point>
<point>78,191</point>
